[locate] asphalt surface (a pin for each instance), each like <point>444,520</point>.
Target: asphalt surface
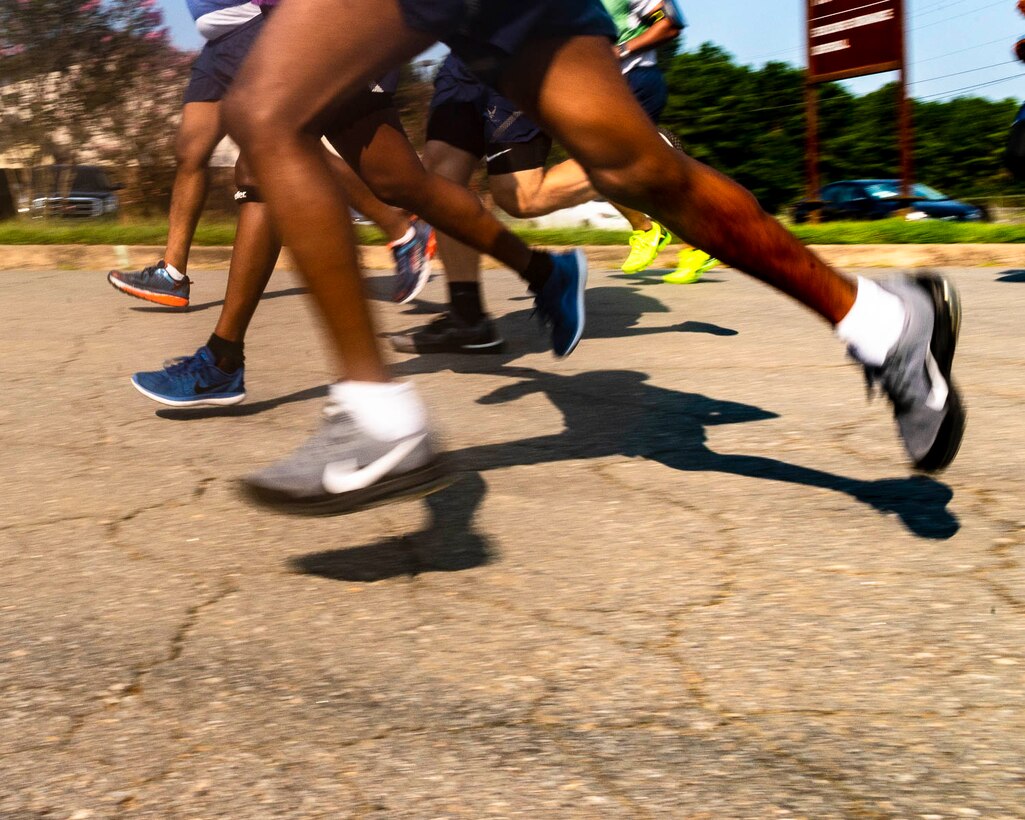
<point>684,573</point>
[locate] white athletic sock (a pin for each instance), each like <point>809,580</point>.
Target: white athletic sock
<point>406,237</point>
<point>388,411</point>
<point>873,325</point>
<point>176,274</point>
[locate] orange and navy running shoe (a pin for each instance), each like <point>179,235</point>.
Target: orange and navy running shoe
<point>154,284</point>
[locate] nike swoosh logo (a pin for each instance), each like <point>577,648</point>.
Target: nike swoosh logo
<point>490,157</point>
<point>207,388</point>
<point>343,477</point>
<point>937,398</point>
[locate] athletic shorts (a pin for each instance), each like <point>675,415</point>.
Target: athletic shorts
<point>337,117</point>
<point>649,89</point>
<point>219,62</point>
<point>461,125</point>
<point>468,115</point>
<point>486,33</point>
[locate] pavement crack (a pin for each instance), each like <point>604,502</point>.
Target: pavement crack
<point>135,686</point>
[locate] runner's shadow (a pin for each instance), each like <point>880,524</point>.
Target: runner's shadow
<point>448,543</point>
<point>193,413</point>
<point>617,413</point>
<point>653,276</point>
<point>612,313</point>
<point>274,294</point>
<point>1012,276</point>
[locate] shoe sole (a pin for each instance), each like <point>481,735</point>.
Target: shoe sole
<point>415,484</point>
<point>945,332</point>
<point>473,350</point>
<point>421,281</point>
<point>581,286</point>
<point>146,295</point>
<point>208,402</point>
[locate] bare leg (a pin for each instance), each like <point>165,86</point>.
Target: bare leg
<point>378,150</point>
<point>199,133</point>
<point>603,127</point>
<point>461,262</point>
<point>252,262</point>
<point>539,191</point>
<point>536,192</point>
<point>279,91</point>
<point>637,220</point>
<point>394,222</point>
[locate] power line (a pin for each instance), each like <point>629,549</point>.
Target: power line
<point>968,71</point>
<point>956,16</point>
<point>1018,77</point>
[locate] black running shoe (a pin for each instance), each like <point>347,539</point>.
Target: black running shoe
<point>450,334</point>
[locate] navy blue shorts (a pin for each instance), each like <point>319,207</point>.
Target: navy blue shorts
<point>498,116</point>
<point>219,62</point>
<point>470,116</point>
<point>649,89</point>
<point>486,33</point>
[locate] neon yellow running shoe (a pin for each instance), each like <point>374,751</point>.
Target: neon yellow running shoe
<point>693,264</point>
<point>644,247</point>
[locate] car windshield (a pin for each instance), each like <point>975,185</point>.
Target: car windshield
<point>891,190</point>
<point>54,178</point>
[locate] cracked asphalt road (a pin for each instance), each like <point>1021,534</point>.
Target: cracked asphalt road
<point>684,573</point>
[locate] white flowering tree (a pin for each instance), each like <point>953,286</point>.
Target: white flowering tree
<point>67,68</point>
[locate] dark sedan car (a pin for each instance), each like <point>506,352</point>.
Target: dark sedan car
<point>880,198</point>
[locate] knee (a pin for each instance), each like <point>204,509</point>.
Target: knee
<point>191,154</point>
<point>396,189</point>
<point>253,123</point>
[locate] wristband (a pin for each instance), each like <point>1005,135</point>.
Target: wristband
<point>623,51</point>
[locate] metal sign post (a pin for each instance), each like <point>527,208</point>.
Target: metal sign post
<point>852,38</point>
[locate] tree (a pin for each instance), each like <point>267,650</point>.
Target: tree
<point>67,65</point>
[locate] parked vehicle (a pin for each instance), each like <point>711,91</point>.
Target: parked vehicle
<point>855,199</point>
<point>73,191</point>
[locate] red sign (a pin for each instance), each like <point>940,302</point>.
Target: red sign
<point>848,38</point>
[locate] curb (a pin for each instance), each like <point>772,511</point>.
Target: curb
<point>377,257</point>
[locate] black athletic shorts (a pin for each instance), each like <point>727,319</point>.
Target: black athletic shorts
<point>461,125</point>
<point>219,61</point>
<point>470,116</point>
<point>486,33</point>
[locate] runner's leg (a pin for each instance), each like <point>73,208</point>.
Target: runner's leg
<point>199,133</point>
<point>600,125</point>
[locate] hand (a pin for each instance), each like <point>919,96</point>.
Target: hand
<point>1021,6</point>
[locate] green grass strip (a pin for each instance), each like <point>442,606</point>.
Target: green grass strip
<point>885,232</point>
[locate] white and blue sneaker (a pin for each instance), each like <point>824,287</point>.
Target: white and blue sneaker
<point>560,303</point>
<point>413,262</point>
<point>343,468</point>
<point>193,381</point>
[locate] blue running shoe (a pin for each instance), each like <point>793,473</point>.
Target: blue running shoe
<point>154,284</point>
<point>192,381</point>
<point>413,262</point>
<point>561,301</point>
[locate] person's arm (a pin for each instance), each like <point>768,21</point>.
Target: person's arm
<point>665,24</point>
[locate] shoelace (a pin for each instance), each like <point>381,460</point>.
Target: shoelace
<point>184,365</point>
<point>636,240</point>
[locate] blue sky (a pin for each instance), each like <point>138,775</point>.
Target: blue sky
<point>955,46</point>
